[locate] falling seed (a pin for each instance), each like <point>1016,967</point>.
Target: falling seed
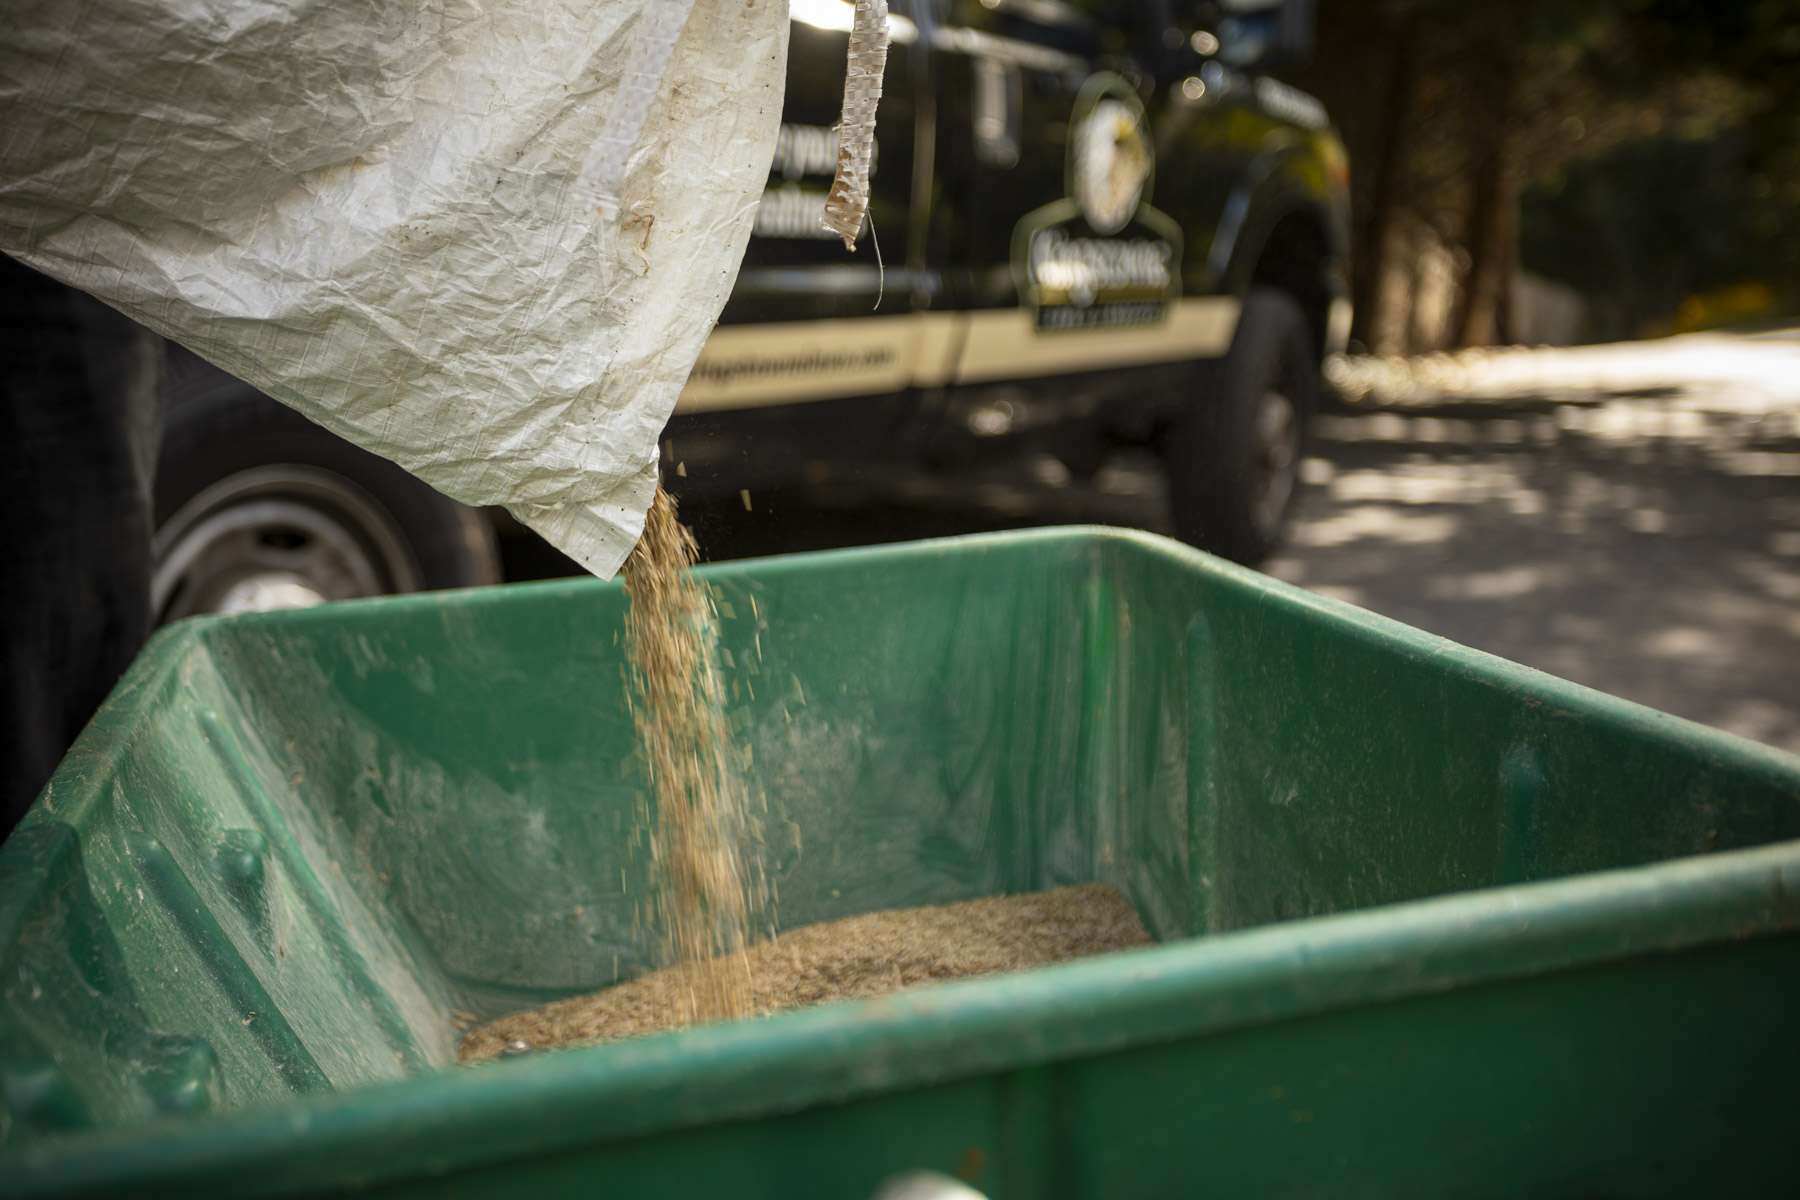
<point>744,495</point>
<point>681,469</point>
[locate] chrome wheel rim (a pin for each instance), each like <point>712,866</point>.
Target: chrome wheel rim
<point>282,536</point>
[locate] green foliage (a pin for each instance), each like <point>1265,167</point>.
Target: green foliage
<point>1648,225</point>
<point>1655,144</point>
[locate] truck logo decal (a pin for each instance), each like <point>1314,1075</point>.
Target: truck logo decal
<point>1103,257</point>
<point>1109,164</point>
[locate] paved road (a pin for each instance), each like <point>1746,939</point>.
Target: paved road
<point>1626,517</point>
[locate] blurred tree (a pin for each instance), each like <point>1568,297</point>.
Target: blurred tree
<point>1359,46</point>
<point>1453,111</point>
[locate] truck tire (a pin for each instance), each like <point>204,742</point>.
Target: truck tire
<point>259,508</point>
<point>1233,456</point>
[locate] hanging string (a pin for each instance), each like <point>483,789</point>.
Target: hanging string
<point>848,202</point>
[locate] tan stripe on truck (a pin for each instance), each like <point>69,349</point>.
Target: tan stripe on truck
<point>754,366</point>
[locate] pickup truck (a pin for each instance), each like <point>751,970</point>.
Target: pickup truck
<point>1094,223</point>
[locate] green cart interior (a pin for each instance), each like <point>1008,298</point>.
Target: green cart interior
<point>1430,922</point>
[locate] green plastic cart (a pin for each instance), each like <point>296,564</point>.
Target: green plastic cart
<point>1430,923</point>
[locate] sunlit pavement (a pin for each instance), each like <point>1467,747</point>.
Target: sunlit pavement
<point>1626,517</point>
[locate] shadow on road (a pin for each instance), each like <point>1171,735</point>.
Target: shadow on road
<point>1634,545</point>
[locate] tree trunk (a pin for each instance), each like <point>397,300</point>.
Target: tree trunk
<point>1506,322</point>
<point>1377,233</point>
<point>1413,337</point>
<point>1492,223</point>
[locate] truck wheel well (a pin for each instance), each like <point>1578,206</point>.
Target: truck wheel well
<point>1293,260</point>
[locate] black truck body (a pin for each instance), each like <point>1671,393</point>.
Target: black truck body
<point>1093,223</point>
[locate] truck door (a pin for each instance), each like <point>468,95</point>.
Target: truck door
<point>1007,80</point>
<point>1047,216</point>
<point>803,322</point>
